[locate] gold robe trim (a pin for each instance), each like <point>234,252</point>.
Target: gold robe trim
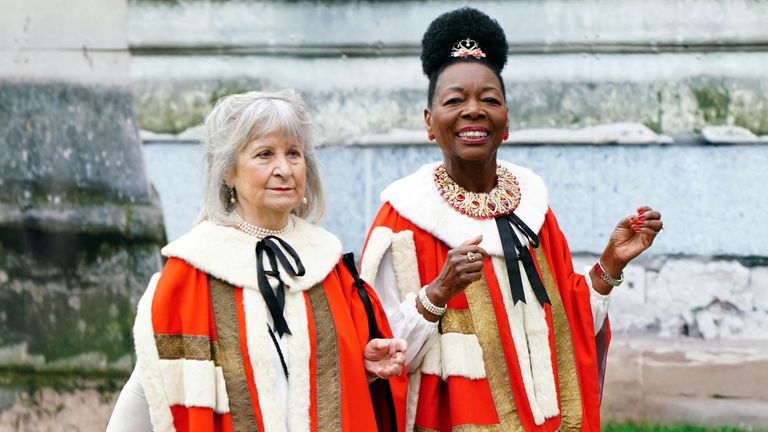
<point>465,428</point>
<point>457,321</point>
<point>230,356</point>
<point>327,373</point>
<point>568,377</point>
<point>487,331</point>
<point>179,346</point>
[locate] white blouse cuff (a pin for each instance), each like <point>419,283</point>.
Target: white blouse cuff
<point>417,331</point>
<point>598,302</point>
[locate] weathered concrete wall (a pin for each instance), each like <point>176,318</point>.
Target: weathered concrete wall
<point>690,325</point>
<point>694,308</point>
<point>79,224</point>
<point>590,188</point>
<point>687,381</point>
<point>674,66</point>
<point>698,299</point>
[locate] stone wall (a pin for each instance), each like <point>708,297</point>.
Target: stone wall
<point>673,66</point>
<point>80,225</point>
<point>613,103</point>
<point>692,309</point>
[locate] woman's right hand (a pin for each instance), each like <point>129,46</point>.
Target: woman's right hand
<point>457,273</point>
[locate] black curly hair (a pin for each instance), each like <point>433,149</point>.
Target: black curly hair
<point>451,27</point>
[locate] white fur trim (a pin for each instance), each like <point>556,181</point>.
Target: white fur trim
<point>405,263</point>
<point>298,362</point>
<point>378,243</point>
<point>229,254</point>
<point>530,334</point>
<point>148,361</point>
<point>519,337</point>
<point>537,330</point>
<point>462,356</point>
<point>222,398</point>
<point>264,372</point>
<point>414,385</point>
<point>432,363</point>
<point>416,198</point>
<point>194,383</point>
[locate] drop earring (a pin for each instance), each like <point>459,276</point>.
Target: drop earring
<point>430,136</point>
<point>506,135</point>
<point>232,198</point>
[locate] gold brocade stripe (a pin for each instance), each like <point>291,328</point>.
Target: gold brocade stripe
<point>487,331</point>
<point>327,373</point>
<point>465,428</point>
<point>476,428</point>
<point>216,353</point>
<point>457,321</point>
<point>180,346</point>
<point>568,378</point>
<point>230,356</point>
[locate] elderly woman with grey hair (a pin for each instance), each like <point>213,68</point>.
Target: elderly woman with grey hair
<point>256,316</point>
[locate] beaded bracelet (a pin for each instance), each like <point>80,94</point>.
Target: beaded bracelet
<point>428,305</point>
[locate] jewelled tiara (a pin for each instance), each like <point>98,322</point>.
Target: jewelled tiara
<point>466,48</point>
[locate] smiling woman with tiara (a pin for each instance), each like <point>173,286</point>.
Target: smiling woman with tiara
<point>473,271</point>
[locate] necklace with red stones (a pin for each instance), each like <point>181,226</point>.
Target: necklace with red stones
<point>502,200</point>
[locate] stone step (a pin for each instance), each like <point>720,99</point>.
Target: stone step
<point>686,381</point>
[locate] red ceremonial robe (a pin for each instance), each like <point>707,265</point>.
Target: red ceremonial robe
<point>495,366</point>
<point>205,353</point>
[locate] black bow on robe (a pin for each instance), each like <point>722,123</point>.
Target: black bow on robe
<point>271,247</point>
<point>514,251</point>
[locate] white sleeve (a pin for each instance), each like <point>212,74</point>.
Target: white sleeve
<point>406,321</point>
<point>131,413</point>
<point>599,303</point>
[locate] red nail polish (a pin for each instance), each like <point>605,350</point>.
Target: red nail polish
<point>640,209</point>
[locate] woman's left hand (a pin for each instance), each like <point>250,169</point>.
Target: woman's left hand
<point>384,358</point>
<point>632,236</point>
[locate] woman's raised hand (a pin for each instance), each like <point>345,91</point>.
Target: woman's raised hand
<point>384,358</point>
<point>463,266</point>
<point>632,235</point>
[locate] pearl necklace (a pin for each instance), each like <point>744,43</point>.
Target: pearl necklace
<point>257,231</point>
<point>502,200</point>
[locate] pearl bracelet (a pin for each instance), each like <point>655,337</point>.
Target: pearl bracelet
<point>428,305</point>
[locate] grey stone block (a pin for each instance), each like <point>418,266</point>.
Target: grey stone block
<point>685,381</point>
<point>69,143</point>
<point>590,189</point>
<point>66,296</point>
<point>80,226</point>
<point>49,410</point>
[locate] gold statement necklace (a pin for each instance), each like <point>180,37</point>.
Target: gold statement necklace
<point>502,200</point>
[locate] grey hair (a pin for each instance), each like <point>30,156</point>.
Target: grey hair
<point>237,120</point>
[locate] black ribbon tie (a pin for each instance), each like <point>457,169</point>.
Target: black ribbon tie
<point>271,246</point>
<point>514,251</point>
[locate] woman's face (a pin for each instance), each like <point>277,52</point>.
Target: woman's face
<point>269,177</point>
<point>468,116</point>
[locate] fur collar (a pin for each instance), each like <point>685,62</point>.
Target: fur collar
<point>229,254</point>
<point>416,198</point>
